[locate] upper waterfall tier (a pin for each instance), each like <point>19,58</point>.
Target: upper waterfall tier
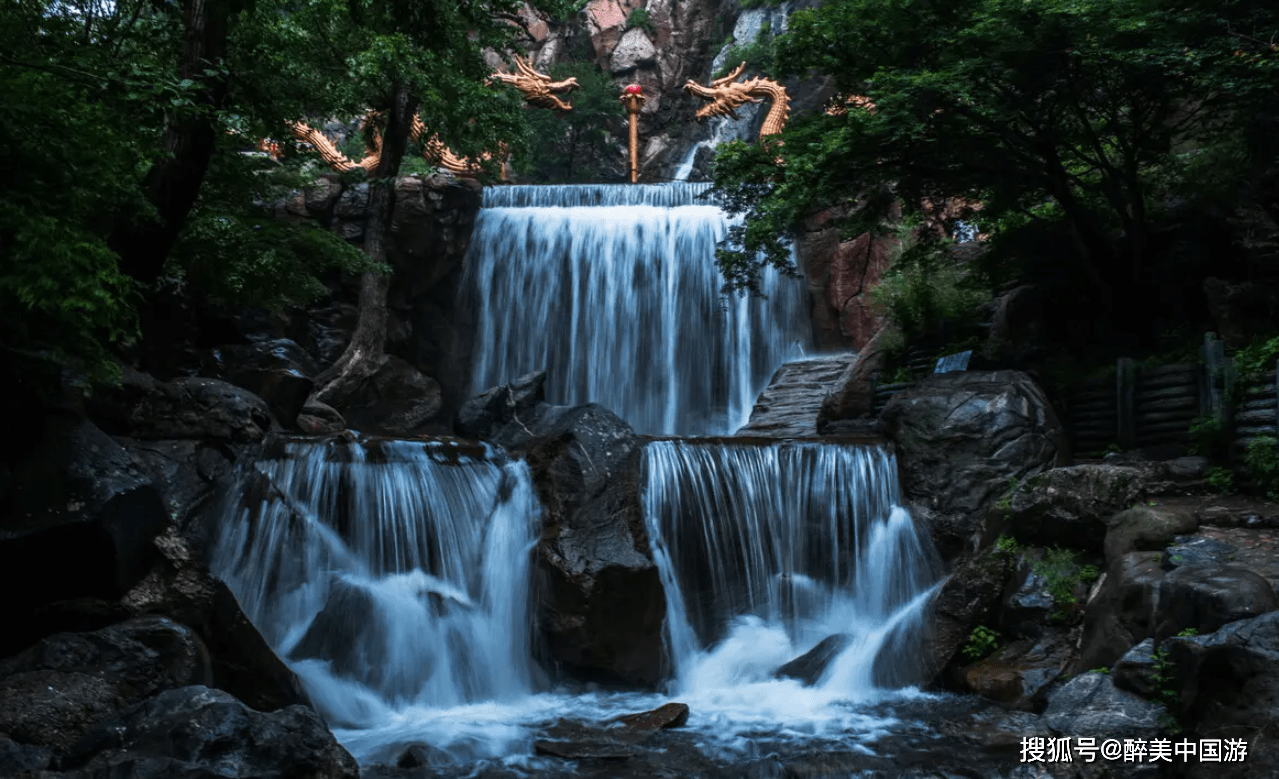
<point>621,305</point>
<point>573,195</point>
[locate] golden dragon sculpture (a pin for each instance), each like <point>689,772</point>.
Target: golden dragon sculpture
<point>727,94</point>
<point>538,88</point>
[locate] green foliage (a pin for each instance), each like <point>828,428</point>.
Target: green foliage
<point>1101,670</point>
<point>900,375</point>
<point>641,18</point>
<point>1262,459</point>
<point>923,294</point>
<point>1005,501</point>
<point>1062,576</point>
<point>1258,358</point>
<point>1209,438</point>
<point>982,641</point>
<point>1221,480</point>
<point>1008,546</point>
<point>1079,118</point>
<point>746,5</point>
<point>579,145</point>
<point>760,55</point>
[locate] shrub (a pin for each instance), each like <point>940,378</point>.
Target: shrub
<point>641,18</point>
<point>1262,460</point>
<point>1062,576</point>
<point>981,643</point>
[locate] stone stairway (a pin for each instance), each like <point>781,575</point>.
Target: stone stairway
<point>788,406</point>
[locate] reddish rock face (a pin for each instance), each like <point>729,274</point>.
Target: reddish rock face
<point>856,268</point>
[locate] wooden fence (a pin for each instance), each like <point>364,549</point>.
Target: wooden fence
<point>1140,407</point>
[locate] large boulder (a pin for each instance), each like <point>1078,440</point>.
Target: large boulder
<point>603,604</point>
<point>853,395</point>
<point>969,597</point>
<point>78,535</point>
<point>277,371</point>
<point>53,692</point>
<point>183,408</point>
<point>1122,612</point>
<point>241,661</point>
<point>1147,529</point>
<point>1091,706</point>
<point>397,400</point>
<point>1207,597</point>
<point>962,438</point>
<point>1227,687</point>
<point>195,733</point>
<point>1070,506</point>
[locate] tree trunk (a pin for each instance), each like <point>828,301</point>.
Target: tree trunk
<point>363,356</point>
<point>173,184</point>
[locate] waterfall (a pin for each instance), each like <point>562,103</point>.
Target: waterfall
<point>766,550</point>
<point>388,574</point>
<point>613,290</point>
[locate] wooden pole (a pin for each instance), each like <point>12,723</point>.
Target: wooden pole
<point>633,98</point>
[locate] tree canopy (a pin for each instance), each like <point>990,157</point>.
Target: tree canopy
<point>1096,115</point>
<point>124,131</point>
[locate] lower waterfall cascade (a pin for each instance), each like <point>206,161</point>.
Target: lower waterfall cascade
<point>613,290</point>
<point>394,578</point>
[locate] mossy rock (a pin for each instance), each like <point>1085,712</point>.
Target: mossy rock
<point>1147,529</point>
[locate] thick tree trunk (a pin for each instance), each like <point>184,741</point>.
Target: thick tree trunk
<point>363,356</point>
<point>173,184</point>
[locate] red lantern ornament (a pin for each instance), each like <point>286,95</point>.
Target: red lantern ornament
<point>634,89</point>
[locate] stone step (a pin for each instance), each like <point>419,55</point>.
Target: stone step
<point>788,406</point>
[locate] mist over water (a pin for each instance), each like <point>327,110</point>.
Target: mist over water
<point>613,290</point>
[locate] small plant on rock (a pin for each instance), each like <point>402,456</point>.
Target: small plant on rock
<point>641,18</point>
<point>1007,545</point>
<point>1062,576</point>
<point>1006,501</point>
<point>981,643</point>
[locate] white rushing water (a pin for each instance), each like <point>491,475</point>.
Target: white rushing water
<point>394,578</point>
<point>390,575</point>
<point>613,290</point>
<point>768,549</point>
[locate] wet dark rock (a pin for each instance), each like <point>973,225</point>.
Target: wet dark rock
<point>485,414</point>
<point>1090,705</point>
<point>1207,597</point>
<point>397,400</point>
<point>279,371</point>
<point>961,439</point>
<point>1228,688</point>
<point>970,597</point>
<point>52,693</point>
<point>183,408</point>
<point>242,662</point>
<point>423,756</point>
<point>1195,551</point>
<point>1146,529</point>
<point>339,632</point>
<point>1027,604</point>
<point>195,732</point>
<point>1021,674</point>
<point>317,418</point>
<point>1122,614</point>
<point>1135,671</point>
<point>17,758</point>
<point>603,606</point>
<point>668,715</point>
<point>810,666</point>
<point>78,535</point>
<point>1070,506</point>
